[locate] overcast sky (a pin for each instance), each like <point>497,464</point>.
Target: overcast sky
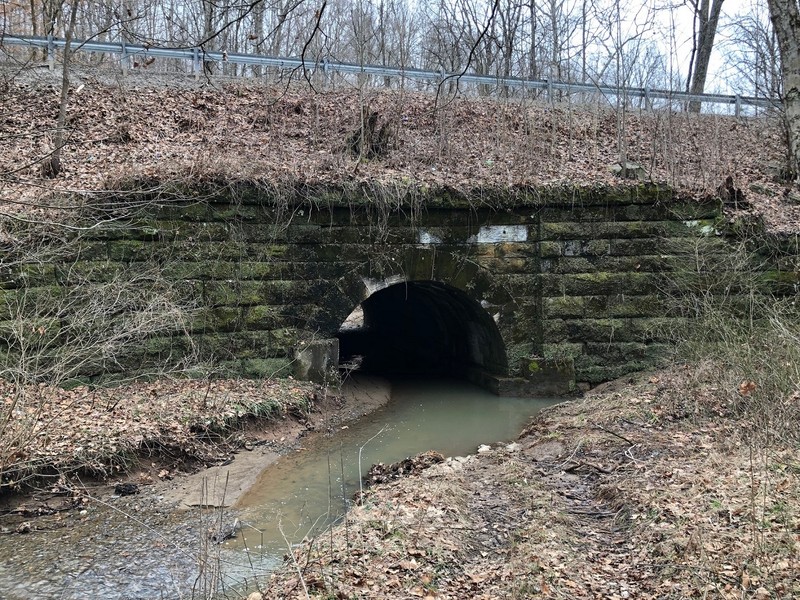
<point>681,16</point>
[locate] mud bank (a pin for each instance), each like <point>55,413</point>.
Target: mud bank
<point>223,485</point>
<point>167,480</point>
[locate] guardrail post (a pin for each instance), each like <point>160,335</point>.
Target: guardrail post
<point>196,63</point>
<point>648,101</point>
<point>123,61</point>
<point>51,52</point>
<point>738,104</point>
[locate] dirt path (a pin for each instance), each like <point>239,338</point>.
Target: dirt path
<point>626,493</point>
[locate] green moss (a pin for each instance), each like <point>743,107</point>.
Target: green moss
<point>263,317</point>
<point>259,368</point>
<point>240,212</point>
<point>613,230</point>
<point>31,275</point>
<point>559,352</point>
<point>233,293</point>
<point>31,330</point>
<point>222,318</point>
<point>133,250</point>
<point>239,345</point>
<point>285,337</point>
<point>183,211</point>
<point>638,329</point>
<point>166,346</point>
<point>600,283</point>
<point>31,301</point>
<point>202,270</point>
<point>89,271</point>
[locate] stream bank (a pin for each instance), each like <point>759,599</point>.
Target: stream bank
<point>645,488</point>
<point>185,469</point>
<point>159,542</point>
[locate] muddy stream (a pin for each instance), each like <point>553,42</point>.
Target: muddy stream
<point>144,549</point>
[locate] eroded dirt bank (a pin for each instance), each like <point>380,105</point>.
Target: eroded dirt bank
<point>207,445</point>
<point>631,492</point>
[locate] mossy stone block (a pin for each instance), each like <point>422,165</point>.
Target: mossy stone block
<point>233,293</point>
<point>266,368</point>
<point>217,319</point>
<point>183,211</point>
<point>615,353</point>
<point>264,317</point>
<point>167,345</point>
<point>81,272</point>
<point>238,345</point>
<point>255,368</point>
<point>599,283</point>
<point>202,270</point>
<point>38,274</point>
<point>557,352</point>
<point>240,213</point>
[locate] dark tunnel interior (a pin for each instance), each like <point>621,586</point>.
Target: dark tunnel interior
<point>422,328</point>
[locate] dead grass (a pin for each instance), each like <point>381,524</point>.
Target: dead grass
<point>248,133</point>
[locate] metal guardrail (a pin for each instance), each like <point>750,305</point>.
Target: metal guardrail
<point>198,55</point>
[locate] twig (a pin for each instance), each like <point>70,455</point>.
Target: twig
<point>308,43</point>
<point>294,560</point>
<point>360,449</point>
<point>617,435</point>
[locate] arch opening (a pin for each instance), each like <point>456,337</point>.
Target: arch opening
<point>422,328</point>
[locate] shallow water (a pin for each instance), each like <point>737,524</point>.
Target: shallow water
<point>304,492</point>
<point>146,551</point>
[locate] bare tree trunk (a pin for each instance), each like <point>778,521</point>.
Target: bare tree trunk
<point>52,166</point>
<point>35,29</point>
<point>258,33</point>
<point>208,34</point>
<point>785,15</point>
<point>584,44</point>
<point>277,31</point>
<point>533,71</point>
<point>382,42</point>
<point>707,18</point>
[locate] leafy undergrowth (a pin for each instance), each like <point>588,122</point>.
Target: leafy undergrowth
<point>103,432</point>
<point>635,491</point>
<point>139,128</point>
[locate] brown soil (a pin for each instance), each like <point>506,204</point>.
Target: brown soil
<point>630,492</point>
<point>183,472</point>
<point>223,485</point>
<point>137,127</point>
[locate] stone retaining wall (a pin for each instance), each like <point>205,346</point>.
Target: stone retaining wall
<point>570,277</point>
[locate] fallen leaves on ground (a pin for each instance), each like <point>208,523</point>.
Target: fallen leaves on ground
<point>104,430</point>
<point>135,127</point>
<point>626,493</point>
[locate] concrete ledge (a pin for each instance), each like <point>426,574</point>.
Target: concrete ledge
<point>542,378</point>
<point>315,360</point>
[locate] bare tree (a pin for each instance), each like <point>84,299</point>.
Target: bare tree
<point>52,165</point>
<point>706,20</point>
<point>785,15</point>
<point>754,56</point>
